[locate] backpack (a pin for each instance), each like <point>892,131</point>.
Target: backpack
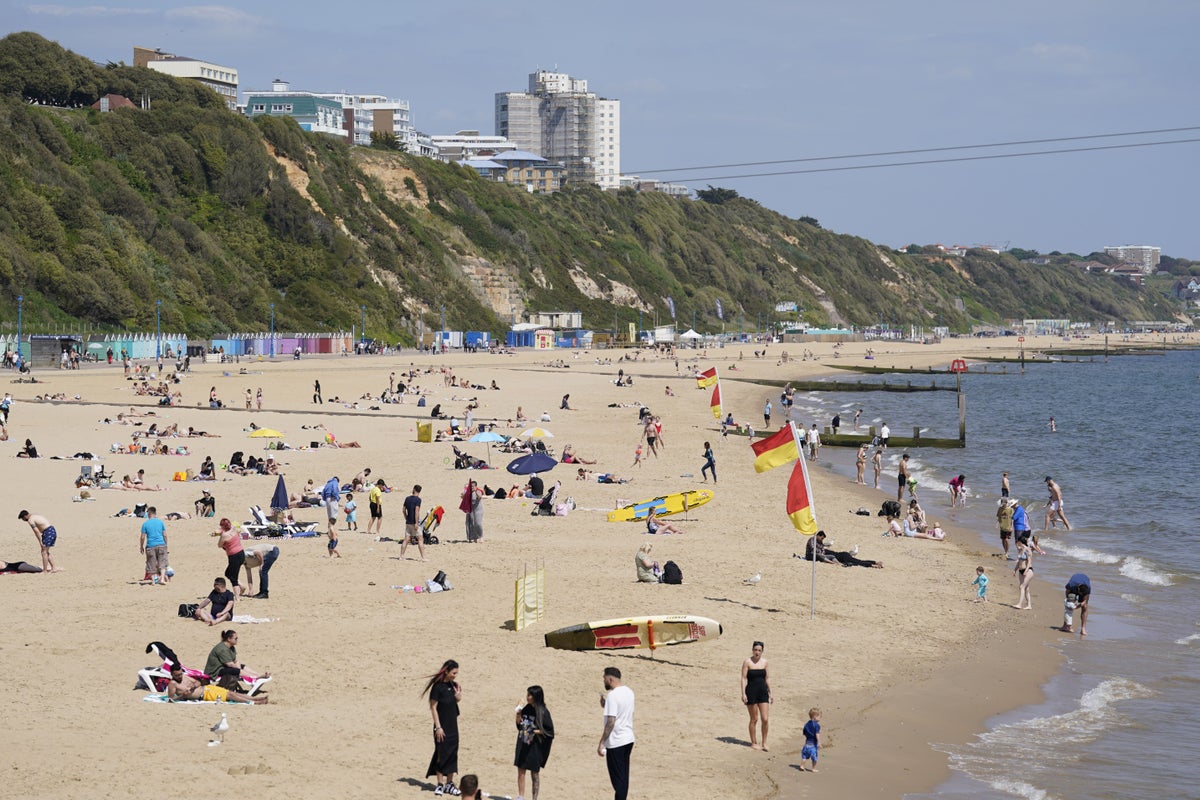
<point>672,573</point>
<point>186,610</point>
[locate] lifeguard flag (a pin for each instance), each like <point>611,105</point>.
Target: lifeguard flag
<point>707,378</point>
<point>799,500</point>
<point>716,401</point>
<point>775,450</point>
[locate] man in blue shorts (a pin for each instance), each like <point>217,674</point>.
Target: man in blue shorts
<point>46,536</point>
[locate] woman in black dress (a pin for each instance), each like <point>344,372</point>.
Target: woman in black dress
<point>535,734</point>
<point>756,694</point>
<point>444,694</point>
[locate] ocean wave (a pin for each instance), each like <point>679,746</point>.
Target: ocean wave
<point>1020,789</point>
<point>1134,567</point>
<point>1141,570</point>
<point>1188,639</point>
<point>1081,553</point>
<point>1050,742</point>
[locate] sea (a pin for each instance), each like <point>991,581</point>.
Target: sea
<point>1121,717</point>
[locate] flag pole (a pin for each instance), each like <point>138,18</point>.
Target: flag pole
<point>812,600</point>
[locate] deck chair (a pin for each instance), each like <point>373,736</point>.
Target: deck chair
<point>156,678</point>
<point>263,526</point>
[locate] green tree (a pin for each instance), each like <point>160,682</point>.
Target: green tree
<point>716,195</point>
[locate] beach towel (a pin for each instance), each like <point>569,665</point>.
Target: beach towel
<point>246,619</point>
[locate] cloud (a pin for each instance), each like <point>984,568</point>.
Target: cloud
<point>1067,55</point>
<point>214,15</point>
<point>85,11</point>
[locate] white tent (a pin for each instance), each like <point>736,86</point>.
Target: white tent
<point>690,334</point>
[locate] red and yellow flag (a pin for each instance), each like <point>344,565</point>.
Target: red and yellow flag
<point>706,378</point>
<point>799,500</point>
<point>716,401</point>
<point>775,450</point>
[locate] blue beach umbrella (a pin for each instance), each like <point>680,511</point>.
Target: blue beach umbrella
<point>279,501</point>
<point>489,437</point>
<point>535,462</point>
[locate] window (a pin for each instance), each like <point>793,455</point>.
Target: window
<point>259,108</point>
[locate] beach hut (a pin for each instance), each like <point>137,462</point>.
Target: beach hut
<point>543,339</point>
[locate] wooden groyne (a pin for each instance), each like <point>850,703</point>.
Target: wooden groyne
<point>848,386</point>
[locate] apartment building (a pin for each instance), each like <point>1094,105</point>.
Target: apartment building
<point>365,113</point>
<point>466,145</point>
<point>1142,256</point>
<point>311,111</point>
<point>222,80</point>
<point>560,119</point>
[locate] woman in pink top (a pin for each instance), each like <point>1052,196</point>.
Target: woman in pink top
<point>231,542</point>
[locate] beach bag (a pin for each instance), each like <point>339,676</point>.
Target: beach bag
<point>187,610</point>
<point>671,573</point>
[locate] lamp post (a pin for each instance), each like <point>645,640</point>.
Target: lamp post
<point>20,313</point>
<point>271,338</point>
<point>442,332</point>
<point>158,324</point>
<point>362,331</point>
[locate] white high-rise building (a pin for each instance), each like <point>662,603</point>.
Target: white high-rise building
<point>1139,255</point>
<point>562,121</point>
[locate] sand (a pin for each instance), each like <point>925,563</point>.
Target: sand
<point>898,659</point>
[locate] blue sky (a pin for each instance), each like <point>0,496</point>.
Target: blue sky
<point>704,83</point>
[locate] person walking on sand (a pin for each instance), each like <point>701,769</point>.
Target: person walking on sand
<point>813,437</point>
<point>756,694</point>
<point>153,546</point>
<point>812,740</point>
<point>902,477</point>
<point>412,527</point>
<point>1054,506</point>
<point>258,398</point>
<point>46,537</point>
<point>710,463</point>
<point>981,584</point>
<point>1004,518</point>
<point>616,742</point>
<point>877,464</point>
<point>444,695</point>
<point>767,415</point>
<point>317,392</point>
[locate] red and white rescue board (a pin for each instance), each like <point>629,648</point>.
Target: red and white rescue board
<point>651,632</point>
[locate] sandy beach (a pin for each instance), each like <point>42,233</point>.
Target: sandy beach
<point>897,659</point>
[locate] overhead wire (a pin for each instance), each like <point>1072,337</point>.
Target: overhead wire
<point>953,148</point>
<point>933,161</point>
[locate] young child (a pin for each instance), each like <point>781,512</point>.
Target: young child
<point>333,541</point>
<point>812,739</point>
<point>637,456</point>
<point>981,581</point>
<point>469,786</point>
<point>351,509</point>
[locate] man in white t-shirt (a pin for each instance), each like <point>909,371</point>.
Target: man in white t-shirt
<point>616,743</point>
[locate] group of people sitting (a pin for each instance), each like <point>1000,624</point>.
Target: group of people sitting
<point>913,524</point>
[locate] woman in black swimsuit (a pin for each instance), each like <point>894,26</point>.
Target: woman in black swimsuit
<point>1024,572</point>
<point>756,694</point>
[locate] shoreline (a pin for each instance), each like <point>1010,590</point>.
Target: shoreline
<point>349,653</point>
